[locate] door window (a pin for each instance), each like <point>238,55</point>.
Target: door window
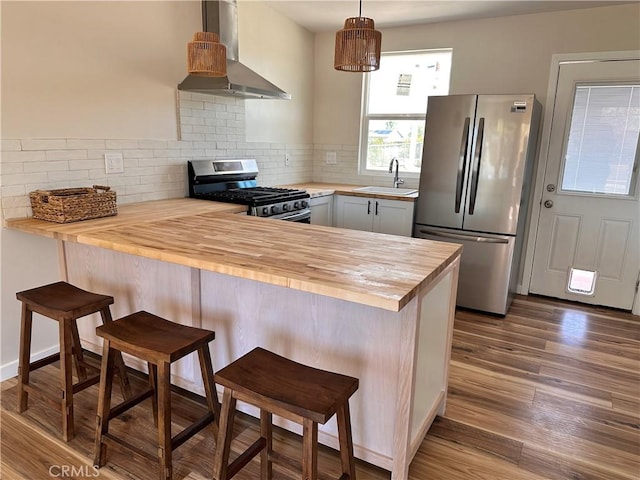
<point>602,146</point>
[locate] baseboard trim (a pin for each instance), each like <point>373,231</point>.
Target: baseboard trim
<point>10,370</point>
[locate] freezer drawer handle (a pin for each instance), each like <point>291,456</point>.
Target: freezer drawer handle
<point>462,162</point>
<point>475,175</point>
<point>465,237</point>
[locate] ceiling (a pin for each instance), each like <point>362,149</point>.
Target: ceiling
<point>329,15</point>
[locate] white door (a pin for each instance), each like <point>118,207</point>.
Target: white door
<point>587,246</point>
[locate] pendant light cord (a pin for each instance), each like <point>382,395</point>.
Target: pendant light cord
<point>360,11</point>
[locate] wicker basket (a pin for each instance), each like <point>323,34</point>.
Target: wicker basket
<point>73,204</point>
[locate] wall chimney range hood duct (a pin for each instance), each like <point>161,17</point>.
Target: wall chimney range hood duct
<point>221,17</point>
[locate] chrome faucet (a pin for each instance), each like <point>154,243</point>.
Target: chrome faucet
<point>396,181</point>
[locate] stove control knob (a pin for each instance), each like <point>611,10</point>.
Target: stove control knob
<point>274,209</point>
<point>305,204</point>
<point>285,207</point>
<point>265,210</point>
<point>296,205</point>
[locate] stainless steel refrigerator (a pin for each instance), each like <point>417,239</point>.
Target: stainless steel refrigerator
<point>476,172</point>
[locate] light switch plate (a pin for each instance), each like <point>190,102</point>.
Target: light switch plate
<point>331,158</point>
<point>113,163</point>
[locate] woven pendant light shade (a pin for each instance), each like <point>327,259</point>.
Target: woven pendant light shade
<point>357,46</point>
<point>206,55</point>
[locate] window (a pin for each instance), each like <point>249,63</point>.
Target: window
<point>395,105</point>
<point>601,151</point>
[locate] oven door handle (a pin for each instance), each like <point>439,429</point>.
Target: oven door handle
<point>294,217</point>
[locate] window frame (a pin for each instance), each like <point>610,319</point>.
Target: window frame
<point>365,117</point>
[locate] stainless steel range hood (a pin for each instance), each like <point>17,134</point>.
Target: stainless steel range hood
<point>221,17</point>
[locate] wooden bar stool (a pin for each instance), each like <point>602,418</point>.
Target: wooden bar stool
<point>297,392</point>
<point>64,303</point>
<point>159,342</point>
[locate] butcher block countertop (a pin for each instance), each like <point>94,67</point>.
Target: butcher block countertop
<point>379,270</point>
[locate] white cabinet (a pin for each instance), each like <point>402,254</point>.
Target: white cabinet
<point>374,214</point>
<point>322,210</point>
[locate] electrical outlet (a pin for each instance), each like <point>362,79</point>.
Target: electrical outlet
<point>287,161</point>
<point>331,158</point>
<point>113,163</point>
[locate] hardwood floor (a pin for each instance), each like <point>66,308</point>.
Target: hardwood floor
<point>551,391</point>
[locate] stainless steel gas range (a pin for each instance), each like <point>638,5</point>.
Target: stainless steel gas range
<point>234,181</point>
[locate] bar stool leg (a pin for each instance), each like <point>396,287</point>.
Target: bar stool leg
<point>153,385</point>
<point>78,356</point>
<point>346,442</point>
<point>209,385</point>
<point>309,449</point>
<point>66,378</point>
<point>164,419</point>
<point>25,358</point>
<point>123,377</point>
<point>104,404</point>
<point>223,443</point>
<point>266,432</point>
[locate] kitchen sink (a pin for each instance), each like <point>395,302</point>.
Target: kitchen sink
<point>401,192</point>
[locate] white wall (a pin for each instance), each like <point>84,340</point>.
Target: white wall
<point>495,55</point>
<point>83,78</point>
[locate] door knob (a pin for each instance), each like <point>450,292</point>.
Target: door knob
<point>548,204</point>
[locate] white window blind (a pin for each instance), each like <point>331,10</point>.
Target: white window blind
<point>602,146</point>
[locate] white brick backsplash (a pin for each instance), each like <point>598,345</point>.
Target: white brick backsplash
<point>65,154</point>
<point>70,176</point>
<point>225,115</point>
<point>137,153</point>
<point>225,145</point>
<point>15,202</point>
<point>193,121</point>
<point>152,144</point>
<point>7,168</point>
<point>10,145</point>
<point>132,172</point>
<point>46,166</point>
<point>200,114</point>
<point>236,108</point>
<point>141,188</point>
<point>178,144</point>
<point>85,144</point>
<point>202,129</point>
<point>156,168</point>
<point>24,179</point>
<point>121,144</point>
<point>19,157</point>
<point>86,164</point>
<point>131,163</point>
<point>195,105</point>
<point>44,144</point>
<point>197,137</point>
<point>215,137</point>
<point>15,212</point>
<point>13,190</point>
<point>154,179</point>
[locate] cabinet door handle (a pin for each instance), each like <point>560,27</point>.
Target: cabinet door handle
<point>368,207</point>
<point>376,207</point>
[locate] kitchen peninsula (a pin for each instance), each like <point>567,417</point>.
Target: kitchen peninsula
<point>374,306</point>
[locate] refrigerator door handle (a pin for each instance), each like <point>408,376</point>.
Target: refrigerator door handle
<point>468,238</point>
<point>462,162</point>
<point>475,174</point>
